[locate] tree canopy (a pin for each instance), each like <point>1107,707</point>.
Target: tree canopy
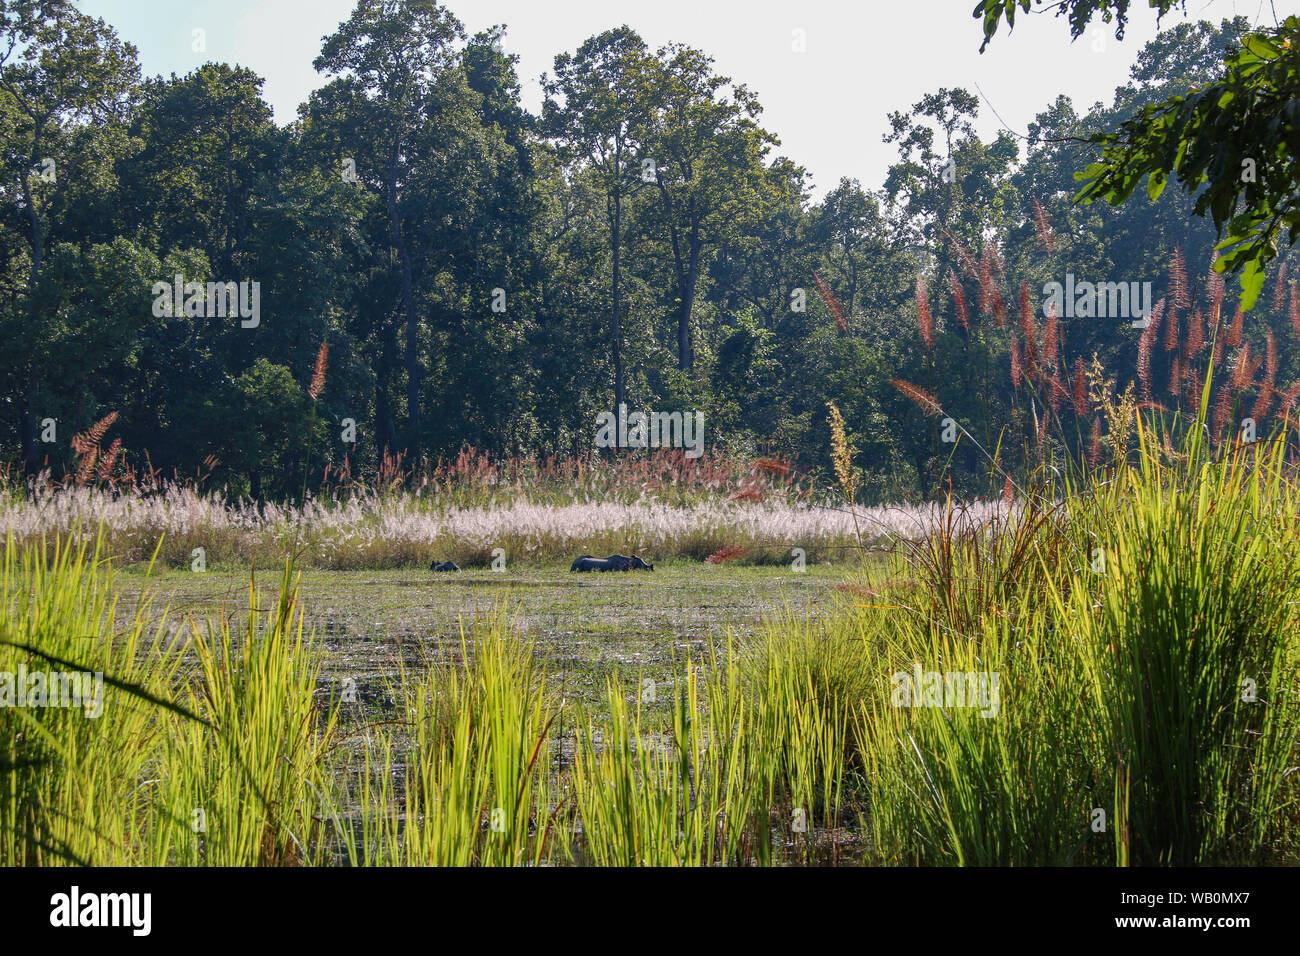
<point>487,277</point>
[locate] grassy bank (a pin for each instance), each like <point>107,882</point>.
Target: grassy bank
<point>369,531</point>
<point>1127,653</point>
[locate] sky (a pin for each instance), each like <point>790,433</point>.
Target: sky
<point>827,102</point>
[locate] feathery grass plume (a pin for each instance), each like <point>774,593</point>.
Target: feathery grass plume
<point>927,402</point>
<point>1144,360</point>
<point>85,447</point>
<point>86,464</point>
<point>1279,287</point>
<point>1057,395</point>
<point>1222,410</point>
<point>832,303</point>
<point>924,318</point>
<point>1195,332</point>
<point>1119,411</point>
<point>1217,288</point>
<point>1178,289</point>
<point>1192,375</point>
<point>105,470</point>
<point>1043,228</point>
<point>1175,376</point>
<point>318,374</point>
<point>1094,444</point>
<point>1051,338</point>
<point>999,308</point>
<point>1295,309</point>
<point>1145,342</point>
<point>1015,361</point>
<point>1216,285</point>
<point>1029,331</point>
<point>1154,319</point>
<point>1266,389</point>
<point>986,282</point>
<point>959,300</point>
<point>967,261</point>
<point>1171,331</point>
<point>1255,363</point>
<point>1079,398</point>
<point>1289,398</point>
<point>89,439</point>
<point>1241,372</point>
<point>1263,401</point>
<point>1236,330</point>
<point>842,454</point>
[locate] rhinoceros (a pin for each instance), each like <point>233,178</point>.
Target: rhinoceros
<point>615,562</point>
<point>443,566</point>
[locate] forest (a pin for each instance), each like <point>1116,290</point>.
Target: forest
<point>478,277</point>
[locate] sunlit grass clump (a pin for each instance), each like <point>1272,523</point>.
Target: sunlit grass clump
<point>207,746</point>
<point>1145,646</point>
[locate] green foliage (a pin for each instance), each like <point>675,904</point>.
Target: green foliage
<point>202,754</point>
<point>1079,12</point>
<point>712,279</point>
<point>1146,713</point>
<point>1230,144</point>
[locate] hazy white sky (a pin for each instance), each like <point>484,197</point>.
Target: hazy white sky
<point>827,105</point>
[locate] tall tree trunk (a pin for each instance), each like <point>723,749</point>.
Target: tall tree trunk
<point>385,428</point>
<point>31,455</point>
<point>617,327</point>
<point>685,351</point>
<point>412,356</point>
<point>687,273</point>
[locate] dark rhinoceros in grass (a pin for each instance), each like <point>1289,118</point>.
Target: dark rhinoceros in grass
<point>443,566</point>
<point>615,562</point>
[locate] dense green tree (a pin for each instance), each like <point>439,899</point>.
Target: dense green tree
<point>58,69</point>
<point>597,109</point>
<point>396,67</point>
<point>1231,143</point>
<point>706,153</point>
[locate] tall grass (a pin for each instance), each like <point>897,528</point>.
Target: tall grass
<point>253,774</point>
<point>1193,652</point>
<point>207,752</point>
<point>477,787</point>
<point>1139,625</point>
<point>372,531</point>
<point>74,788</point>
<point>1148,696</point>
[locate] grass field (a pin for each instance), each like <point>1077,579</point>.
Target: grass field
<point>584,627</point>
<point>1101,675</point>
